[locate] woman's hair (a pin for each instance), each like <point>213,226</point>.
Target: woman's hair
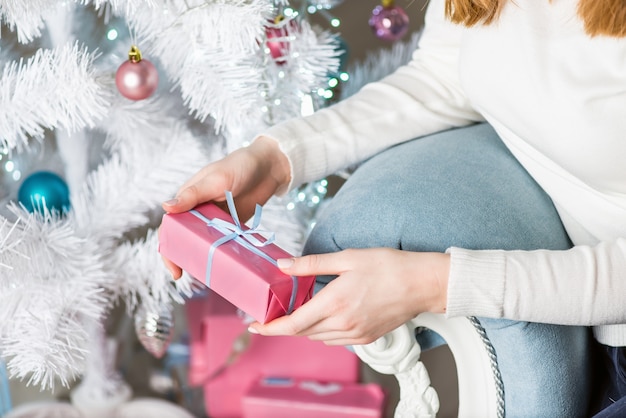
<point>600,17</point>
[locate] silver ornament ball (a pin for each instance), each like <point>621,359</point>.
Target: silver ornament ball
<point>154,328</point>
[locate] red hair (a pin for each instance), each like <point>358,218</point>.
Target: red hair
<point>600,17</point>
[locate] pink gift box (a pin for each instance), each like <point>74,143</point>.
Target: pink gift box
<point>214,326</point>
<point>242,273</point>
<point>288,398</point>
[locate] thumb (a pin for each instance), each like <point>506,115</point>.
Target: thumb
<point>189,197</point>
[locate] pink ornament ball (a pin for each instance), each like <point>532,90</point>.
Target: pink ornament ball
<point>277,43</point>
<point>389,23</point>
<point>137,80</point>
<point>278,40</point>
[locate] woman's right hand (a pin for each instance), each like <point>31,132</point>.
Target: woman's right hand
<point>253,174</point>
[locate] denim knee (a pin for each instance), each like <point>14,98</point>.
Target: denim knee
<point>545,368</point>
<point>457,188</point>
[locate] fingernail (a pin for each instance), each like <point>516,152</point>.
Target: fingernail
<point>284,263</point>
<point>252,330</point>
<point>172,274</point>
<point>171,202</point>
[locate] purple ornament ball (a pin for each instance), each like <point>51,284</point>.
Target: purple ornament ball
<point>389,23</point>
<point>137,80</point>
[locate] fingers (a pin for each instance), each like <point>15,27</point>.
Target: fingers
<point>343,341</point>
<point>323,331</point>
<point>296,323</point>
<point>245,172</point>
<point>313,317</point>
<point>303,320</point>
<point>191,195</point>
<point>174,270</point>
<point>317,264</point>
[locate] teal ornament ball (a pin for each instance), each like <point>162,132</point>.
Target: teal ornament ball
<point>44,189</point>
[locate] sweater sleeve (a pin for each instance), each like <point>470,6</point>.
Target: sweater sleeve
<point>419,98</point>
<point>585,285</point>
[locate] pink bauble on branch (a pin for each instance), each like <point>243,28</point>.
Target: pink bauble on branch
<point>137,78</point>
<point>388,21</point>
<point>278,35</point>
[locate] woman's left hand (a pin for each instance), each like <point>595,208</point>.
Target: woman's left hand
<point>376,291</point>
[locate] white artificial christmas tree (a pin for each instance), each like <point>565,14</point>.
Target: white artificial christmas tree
<point>226,69</point>
<point>62,269</point>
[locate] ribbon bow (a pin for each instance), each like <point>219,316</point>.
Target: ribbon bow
<point>246,238</point>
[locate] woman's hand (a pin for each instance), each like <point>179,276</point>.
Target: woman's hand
<point>376,291</point>
<point>253,174</point>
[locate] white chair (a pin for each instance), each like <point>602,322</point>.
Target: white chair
<point>480,388</point>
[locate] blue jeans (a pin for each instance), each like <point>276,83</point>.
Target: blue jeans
<point>463,188</point>
<point>610,385</point>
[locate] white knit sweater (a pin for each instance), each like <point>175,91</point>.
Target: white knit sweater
<point>557,98</point>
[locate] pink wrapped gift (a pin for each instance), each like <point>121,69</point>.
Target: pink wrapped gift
<point>226,360</point>
<point>288,398</point>
<point>233,260</point>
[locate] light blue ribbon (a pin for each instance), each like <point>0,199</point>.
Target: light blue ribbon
<point>5,395</point>
<point>246,238</point>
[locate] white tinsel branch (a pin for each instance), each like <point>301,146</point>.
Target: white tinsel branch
<point>143,277</point>
<point>55,280</point>
<point>211,63</point>
<point>54,88</point>
<point>124,7</point>
<point>8,241</point>
<point>26,17</point>
<point>64,268</point>
<point>121,193</point>
<point>199,25</point>
<point>144,123</point>
<point>147,166</point>
<point>312,56</point>
<point>226,93</point>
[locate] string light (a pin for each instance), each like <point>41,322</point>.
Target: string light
<point>112,34</point>
<point>289,12</point>
<point>10,166</point>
